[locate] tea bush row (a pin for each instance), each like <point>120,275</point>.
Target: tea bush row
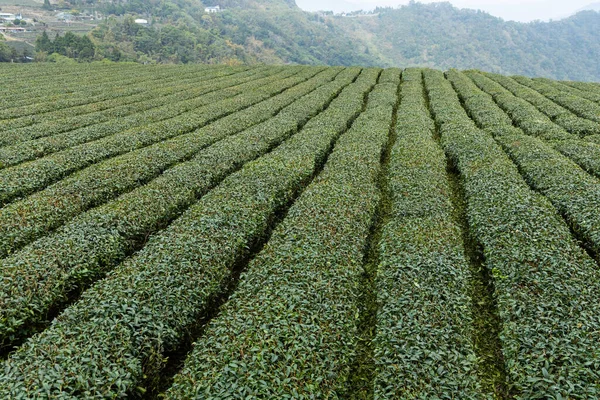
<point>423,343</point>
<point>15,136</point>
<point>25,220</point>
<point>118,104</point>
<point>293,319</point>
<point>558,114</point>
<point>103,345</point>
<point>546,285</point>
<point>40,276</point>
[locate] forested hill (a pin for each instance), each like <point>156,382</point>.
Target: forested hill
<point>278,32</point>
<point>442,36</point>
<point>246,31</point>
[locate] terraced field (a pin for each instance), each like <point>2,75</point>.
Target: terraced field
<point>296,232</point>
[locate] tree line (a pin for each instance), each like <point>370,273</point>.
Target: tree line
<point>70,45</point>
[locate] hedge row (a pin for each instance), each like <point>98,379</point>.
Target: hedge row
<point>117,93</point>
<point>547,287</point>
<point>388,75</point>
<point>573,192</point>
<point>47,137</point>
<point>15,136</point>
<point>29,177</point>
<point>593,95</point>
<point>24,73</point>
<point>25,220</point>
<point>523,114</point>
<point>118,332</point>
<point>424,325</point>
<point>55,83</point>
<point>69,118</point>
<point>471,98</point>
<point>33,74</point>
<point>99,88</point>
<point>586,87</point>
<point>579,106</point>
<point>290,328</point>
<point>585,154</point>
<point>78,104</point>
<point>535,123</point>
<point>556,113</point>
<point>91,244</point>
<point>94,126</point>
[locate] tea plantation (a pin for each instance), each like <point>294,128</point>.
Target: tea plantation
<point>295,232</point>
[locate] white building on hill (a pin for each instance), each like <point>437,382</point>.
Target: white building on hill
<point>212,10</point>
<point>7,17</point>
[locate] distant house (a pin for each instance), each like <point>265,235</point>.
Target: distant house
<point>141,21</point>
<point>7,17</point>
<point>12,29</point>
<point>212,10</point>
<point>63,16</point>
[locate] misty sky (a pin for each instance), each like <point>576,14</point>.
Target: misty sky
<point>516,10</point>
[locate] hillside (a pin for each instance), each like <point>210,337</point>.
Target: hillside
<point>278,32</point>
<point>435,35</point>
<point>250,32</point>
<point>222,232</point>
<point>441,36</point>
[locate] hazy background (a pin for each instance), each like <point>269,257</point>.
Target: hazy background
<point>514,10</point>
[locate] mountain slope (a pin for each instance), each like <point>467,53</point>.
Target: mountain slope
<point>277,32</point>
<point>267,31</point>
<point>439,35</point>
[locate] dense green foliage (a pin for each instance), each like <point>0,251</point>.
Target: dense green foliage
<point>532,121</point>
<point>558,114</point>
<point>423,341</point>
<point>543,279</point>
<point>5,52</point>
<point>105,101</point>
<point>579,106</point>
<point>297,232</point>
<point>574,193</point>
<point>69,45</point>
<point>246,202</point>
<point>107,179</point>
<point>250,34</point>
<point>117,225</point>
<point>304,281</point>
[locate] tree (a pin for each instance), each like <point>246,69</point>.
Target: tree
<point>43,43</point>
<point>26,54</point>
<point>115,55</point>
<point>40,56</point>
<point>47,5</point>
<point>85,49</point>
<point>4,53</point>
<point>70,45</point>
